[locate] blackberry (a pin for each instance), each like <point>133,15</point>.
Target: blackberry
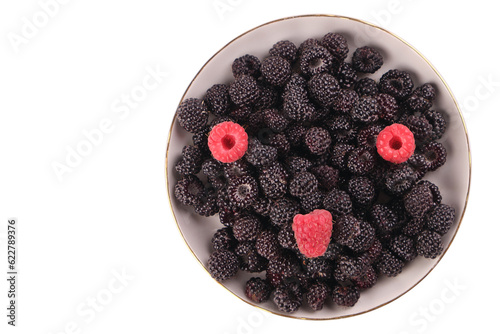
<point>319,267</point>
<point>200,141</point>
<point>338,203</point>
<point>240,113</point>
<point>417,103</point>
<point>258,290</point>
<point>339,154</point>
<point>440,219</point>
<point>365,110</point>
<point>286,238</point>
<point>246,65</point>
<point>267,245</point>
<point>246,228</point>
<point>268,96</point>
<point>403,247</point>
<point>310,42</point>
<point>421,98</point>
<point>281,143</point>
<point>367,279</point>
<point>236,169</point>
<point>211,167</point>
<point>399,180</point>
<point>378,173</point>
<point>361,160</point>
<point>276,70</point>
<point>321,114</point>
<point>367,59</point>
<point>207,205</point>
<point>413,227</point>
<point>217,99</point>
<point>365,239</point>
<point>396,83</point>
<point>317,295</point>
<point>368,135</point>
<point>436,194</point>
<point>345,295</point>
<point>362,190</point>
<point>273,181</point>
<point>388,108</point>
<point>438,123</point>
<point>296,165</point>
<point>328,177</point>
<point>264,135</point>
<point>274,120</point>
<point>296,105</point>
<point>373,253</point>
<point>284,49</point>
<point>419,126</point>
<point>223,239</point>
<point>188,190</point>
<point>429,244</point>
<point>419,164</point>
<point>336,44</point>
<point>341,128</point>
<point>333,251</point>
<point>317,140</point>
<point>250,260</point>
<point>223,264</point>
<point>418,201</point>
<point>285,266</point>
<point>346,75</point>
<point>244,91</point>
<point>322,88</point>
<point>346,229</point>
<point>388,264</point>
<point>295,134</point>
<point>315,59</point>
<point>344,100</point>
<point>227,215</point>
<point>242,191</point>
<point>255,122</point>
<point>383,219</point>
<point>349,268</point>
<point>366,86</point>
<point>192,115</point>
<point>223,201</point>
<point>288,297</point>
<point>218,181</point>
<point>427,91</point>
<point>262,206</point>
<point>260,155</point>
<point>191,160</point>
<point>435,153</point>
<point>303,184</point>
<point>312,202</point>
<point>282,211</point>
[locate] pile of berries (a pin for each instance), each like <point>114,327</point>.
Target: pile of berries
<point>315,171</point>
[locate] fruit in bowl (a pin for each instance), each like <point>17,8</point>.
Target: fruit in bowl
<point>311,170</point>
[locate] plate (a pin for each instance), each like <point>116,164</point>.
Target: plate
<point>453,178</point>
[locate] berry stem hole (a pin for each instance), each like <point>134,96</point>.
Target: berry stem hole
<point>228,142</point>
<point>315,63</point>
<point>395,143</point>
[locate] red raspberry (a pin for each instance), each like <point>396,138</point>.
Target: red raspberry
<point>395,143</point>
<point>313,232</point>
<point>228,141</point>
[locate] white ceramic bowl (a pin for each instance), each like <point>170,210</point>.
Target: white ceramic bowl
<point>453,178</point>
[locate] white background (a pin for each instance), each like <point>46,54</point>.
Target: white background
<point>108,216</point>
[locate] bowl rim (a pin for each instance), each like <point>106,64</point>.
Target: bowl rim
<point>428,63</point>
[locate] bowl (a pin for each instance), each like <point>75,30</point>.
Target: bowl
<point>453,178</point>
